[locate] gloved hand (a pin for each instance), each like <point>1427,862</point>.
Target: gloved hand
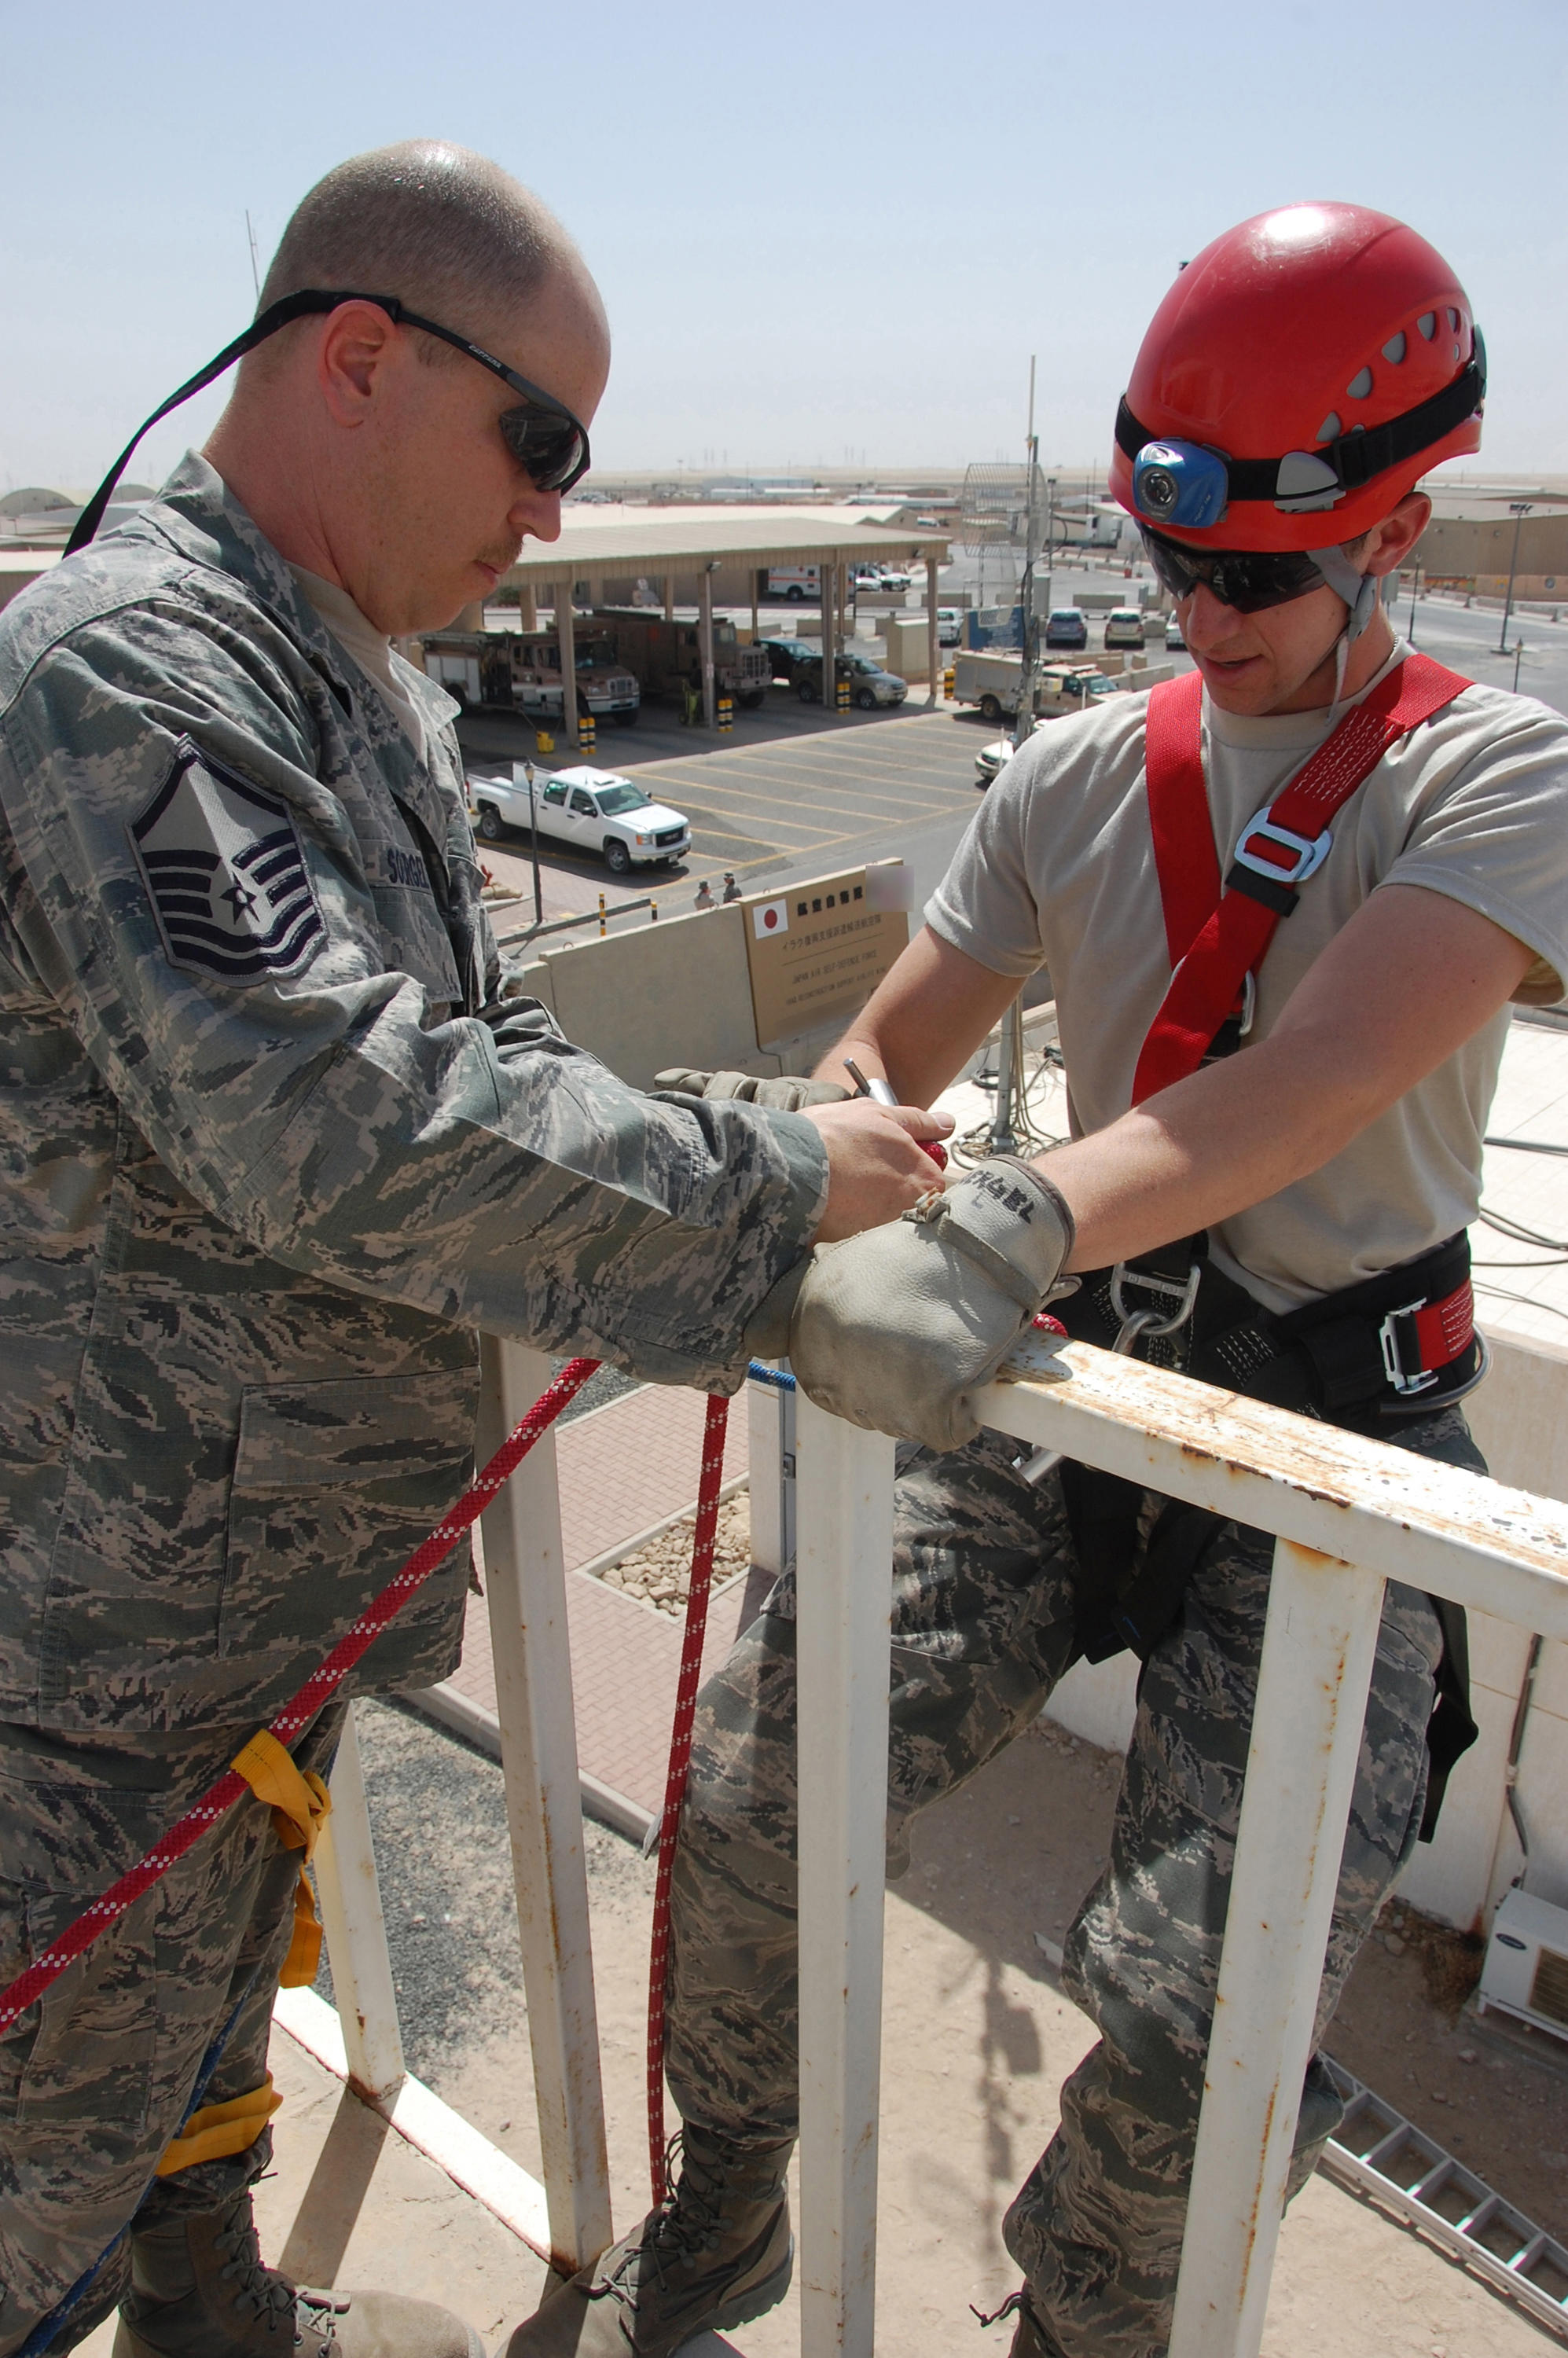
<point>781,1092</point>
<point>897,1328</point>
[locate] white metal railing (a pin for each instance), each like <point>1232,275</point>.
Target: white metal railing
<point>1348,1514</point>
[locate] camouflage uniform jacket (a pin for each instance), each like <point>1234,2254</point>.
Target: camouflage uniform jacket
<point>274,1144</point>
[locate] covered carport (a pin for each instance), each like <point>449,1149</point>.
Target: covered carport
<point>602,544</point>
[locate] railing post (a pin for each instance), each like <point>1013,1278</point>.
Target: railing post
<point>350,1896</point>
<point>844,1563</point>
<point>1312,1682</point>
<point>525,1581</point>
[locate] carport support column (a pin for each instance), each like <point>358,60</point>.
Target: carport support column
<point>932,647</point>
<point>566,630</point>
<point>709,703</point>
<point>527,607</point>
<point>669,597</point>
<point>827,582</point>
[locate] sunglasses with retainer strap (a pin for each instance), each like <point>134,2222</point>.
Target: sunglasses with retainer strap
<point>548,442</point>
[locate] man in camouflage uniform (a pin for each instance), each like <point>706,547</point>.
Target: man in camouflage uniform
<point>1333,1165</point>
<point>279,1139</point>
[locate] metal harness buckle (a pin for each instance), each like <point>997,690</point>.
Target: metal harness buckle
<point>1139,1323</point>
<point>1310,851</point>
<point>1404,1384</point>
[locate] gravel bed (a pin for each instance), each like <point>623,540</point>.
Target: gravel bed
<point>660,1574</point>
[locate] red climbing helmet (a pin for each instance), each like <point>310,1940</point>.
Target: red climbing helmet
<point>1301,376</point>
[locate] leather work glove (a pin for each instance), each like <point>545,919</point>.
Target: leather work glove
<point>781,1092</point>
<point>897,1328</point>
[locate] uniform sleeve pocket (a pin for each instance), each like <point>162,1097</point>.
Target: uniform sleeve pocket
<point>335,1484</point>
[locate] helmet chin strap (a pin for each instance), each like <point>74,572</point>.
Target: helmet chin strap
<point>1360,592</point>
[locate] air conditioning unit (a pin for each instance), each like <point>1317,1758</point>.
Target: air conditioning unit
<point>1526,1971</point>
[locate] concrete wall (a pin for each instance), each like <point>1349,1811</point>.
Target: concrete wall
<point>647,997</point>
<point>1459,547</point>
<point>1519,1418</point>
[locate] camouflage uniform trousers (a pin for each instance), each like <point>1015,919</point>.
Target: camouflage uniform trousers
<point>95,2081</point>
<point>982,1629</point>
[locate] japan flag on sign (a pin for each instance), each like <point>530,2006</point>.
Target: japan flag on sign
<point>771,918</point>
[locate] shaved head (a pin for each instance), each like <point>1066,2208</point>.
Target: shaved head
<point>373,454</point>
<point>445,229</point>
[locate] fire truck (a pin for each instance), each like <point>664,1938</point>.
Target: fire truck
<point>667,657</point>
<point>519,671</point>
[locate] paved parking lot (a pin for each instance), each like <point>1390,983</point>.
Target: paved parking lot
<point>789,786</point>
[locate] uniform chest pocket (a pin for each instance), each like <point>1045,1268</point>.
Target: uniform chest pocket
<point>335,1484</point>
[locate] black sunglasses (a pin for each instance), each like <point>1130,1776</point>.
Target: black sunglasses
<point>548,443</point>
<point>1247,579</point>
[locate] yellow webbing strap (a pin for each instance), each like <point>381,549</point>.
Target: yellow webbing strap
<point>217,2130</point>
<point>299,1801</point>
<point>300,1804</point>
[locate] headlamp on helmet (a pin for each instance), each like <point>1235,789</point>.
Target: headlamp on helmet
<point>1180,483</point>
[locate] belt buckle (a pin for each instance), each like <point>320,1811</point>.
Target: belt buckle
<point>1310,851</point>
<point>1404,1384</point>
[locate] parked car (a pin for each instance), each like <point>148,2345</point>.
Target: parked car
<point>1173,631</point>
<point>1067,626</point>
<point>893,577</point>
<point>1124,627</point>
<point>590,810</point>
<point>993,758</point>
<point>788,655</point>
<point>869,684</point>
<point>949,626</point>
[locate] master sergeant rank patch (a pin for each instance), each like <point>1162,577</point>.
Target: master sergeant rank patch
<point>226,874</point>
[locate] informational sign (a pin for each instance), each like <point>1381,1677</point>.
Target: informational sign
<point>818,951</point>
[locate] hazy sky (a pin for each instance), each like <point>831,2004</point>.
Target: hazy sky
<point>820,230</point>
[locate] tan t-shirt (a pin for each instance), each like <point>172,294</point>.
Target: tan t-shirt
<point>1058,871</point>
<point>371,648</point>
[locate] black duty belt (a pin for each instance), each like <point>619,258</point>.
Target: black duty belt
<point>1400,1345</point>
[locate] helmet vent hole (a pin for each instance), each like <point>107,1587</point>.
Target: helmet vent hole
<point>1360,385</point>
<point>1453,318</point>
<point>1427,323</point>
<point>1330,428</point>
<point>1394,350</point>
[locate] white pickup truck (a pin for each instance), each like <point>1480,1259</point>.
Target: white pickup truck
<point>587,809</point>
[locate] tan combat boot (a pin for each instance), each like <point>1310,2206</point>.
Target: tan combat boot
<point>198,2290</point>
<point>716,2253</point>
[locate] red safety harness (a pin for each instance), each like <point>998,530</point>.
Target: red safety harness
<point>1397,1345</point>
<point>1218,939</point>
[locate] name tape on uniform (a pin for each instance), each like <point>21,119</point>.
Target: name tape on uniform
<point>226,876</point>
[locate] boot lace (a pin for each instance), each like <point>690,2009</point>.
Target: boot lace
<point>686,2221</point>
<point>261,2291</point>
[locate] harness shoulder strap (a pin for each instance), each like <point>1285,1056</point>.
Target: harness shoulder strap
<point>1185,860</point>
<point>1228,940</point>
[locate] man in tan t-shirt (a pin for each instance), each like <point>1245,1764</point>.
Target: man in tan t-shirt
<point>1319,1185</point>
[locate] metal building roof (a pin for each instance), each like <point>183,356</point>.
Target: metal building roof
<point>597,542</point>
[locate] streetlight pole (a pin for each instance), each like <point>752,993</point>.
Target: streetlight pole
<point>533,836</point>
<point>1518,650</point>
<point>1023,718</point>
<point>1518,510</point>
<point>1416,583</point>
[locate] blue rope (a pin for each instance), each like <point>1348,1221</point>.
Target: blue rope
<point>775,1376</point>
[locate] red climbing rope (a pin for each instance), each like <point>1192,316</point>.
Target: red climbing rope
<point>707,1492</point>
<point>221,1797</point>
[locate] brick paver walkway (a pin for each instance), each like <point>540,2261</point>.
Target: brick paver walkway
<point>623,1467</point>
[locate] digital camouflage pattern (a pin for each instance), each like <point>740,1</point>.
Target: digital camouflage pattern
<point>982,1629</point>
<point>95,2082</point>
<point>275,1142</point>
